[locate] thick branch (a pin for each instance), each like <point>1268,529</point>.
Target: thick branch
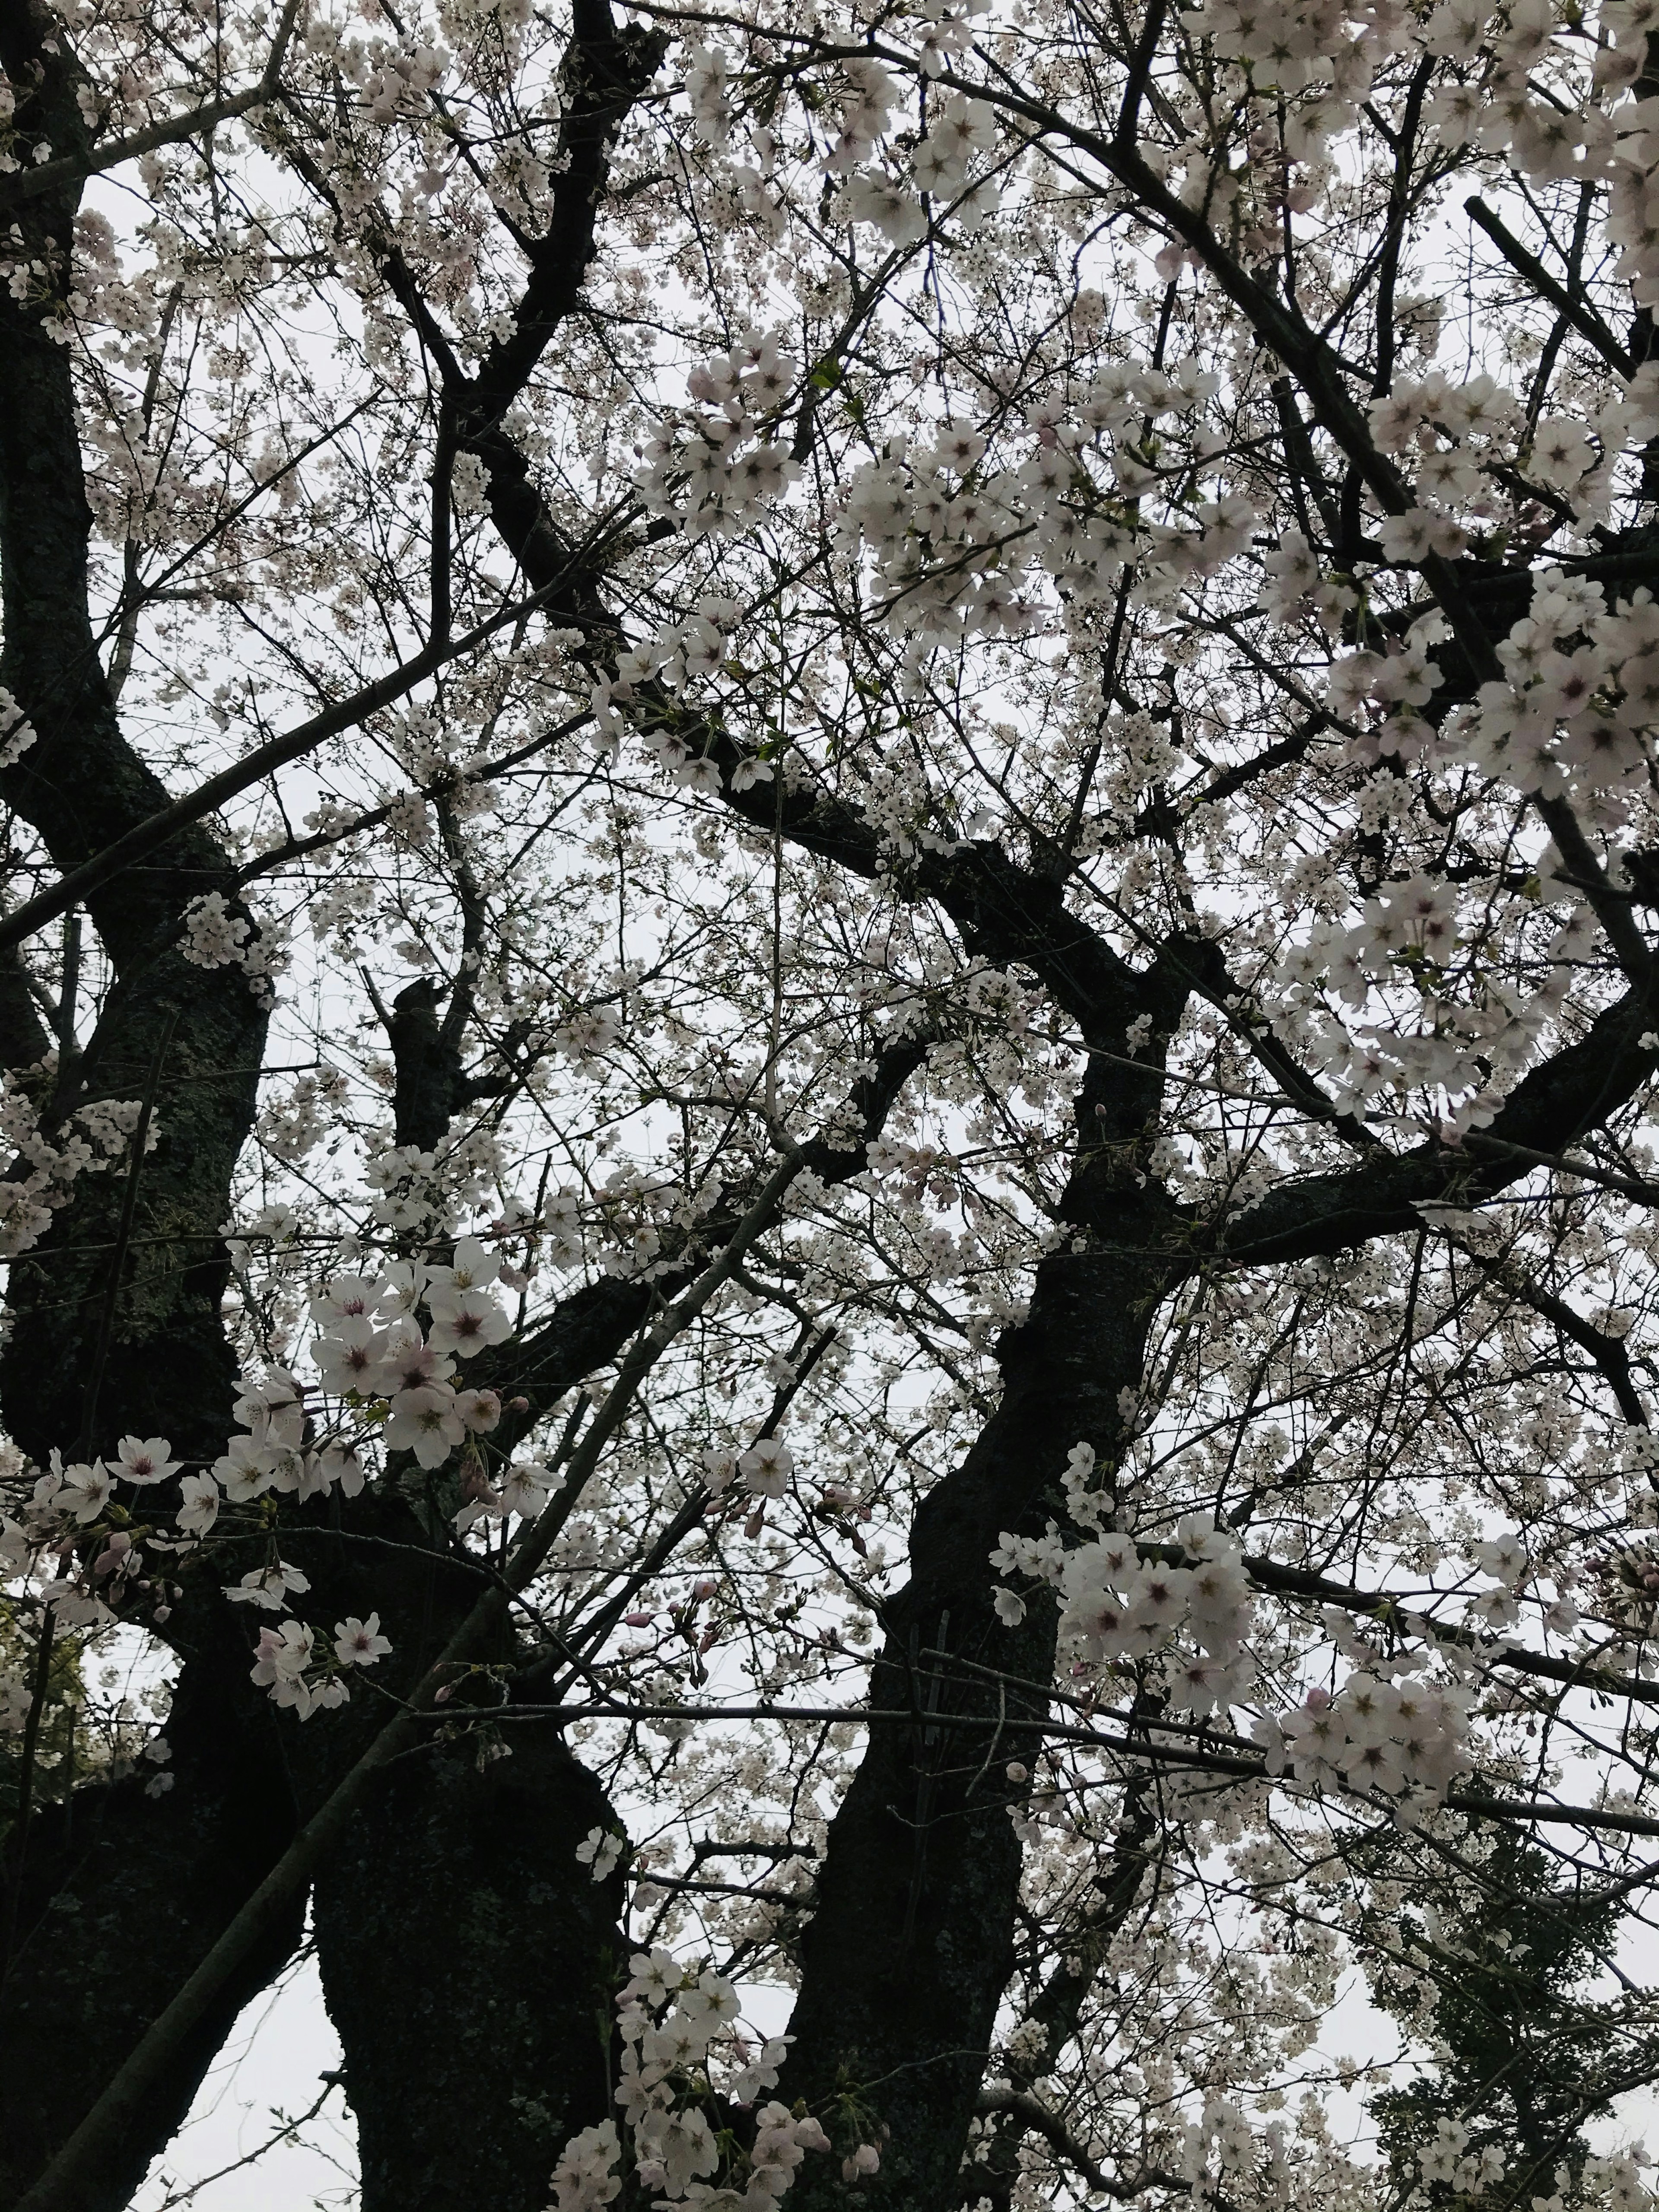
<point>53,179</point>
<point>1551,1107</point>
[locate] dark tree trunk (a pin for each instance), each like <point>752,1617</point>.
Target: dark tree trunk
<point>907,1958</point>
<point>463,2031</point>
<point>169,1369</point>
<point>466,1955</point>
<point>470,1962</point>
<point>430,1087</point>
<point>119,1892</point>
<point>123,1894</point>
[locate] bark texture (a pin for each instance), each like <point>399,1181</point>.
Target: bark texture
<point>169,1369</point>
<point>907,1959</point>
<point>123,1894</point>
<point>430,1087</point>
<point>469,1962</point>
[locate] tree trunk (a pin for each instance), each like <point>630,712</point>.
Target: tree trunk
<point>123,1894</point>
<point>168,1370</point>
<point>907,1958</point>
<point>119,1892</point>
<point>469,1962</point>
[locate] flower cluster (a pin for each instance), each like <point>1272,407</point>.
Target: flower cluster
<point>960,129</point>
<point>216,936</point>
<point>1578,704</point>
<point>679,654</point>
<point>1447,2159</point>
<point>395,1380</point>
<point>1220,2143</point>
<point>43,1170</point>
<point>958,543</point>
<point>1330,43</point>
<point>717,455</point>
<point>871,94</point>
<point>370,1346</point>
<point>1619,2176</point>
<point>418,1189</point>
<point>273,1455</point>
<point>1407,1738</point>
<point>684,2066</point>
<point>94,1579</point>
<point>1122,1600</point>
<point>16,731</point>
<point>763,1470</point>
<point>290,1666</point>
<point>1119,1604</point>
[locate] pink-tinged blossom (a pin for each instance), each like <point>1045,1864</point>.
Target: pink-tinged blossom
<point>409,1363</point>
<point>119,1556</point>
<point>339,1463</point>
<point>86,1491</point>
<point>273,1408</point>
<point>200,1506</point>
<point>525,1490</point>
<point>600,1849</point>
<point>401,1288</point>
<point>360,1643</point>
<point>765,1469</point>
<point>244,1469</point>
<point>348,1297</point>
<point>719,1470</point>
<point>350,1356</point>
<point>467,1321</point>
<point>473,1265</point>
<point>424,1420</point>
<point>142,1459</point>
<point>584,2178</point>
<point>480,1411</point>
<point>279,1667</point>
<point>75,1603</point>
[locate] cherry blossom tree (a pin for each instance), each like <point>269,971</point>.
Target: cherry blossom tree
<point>826,997</point>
